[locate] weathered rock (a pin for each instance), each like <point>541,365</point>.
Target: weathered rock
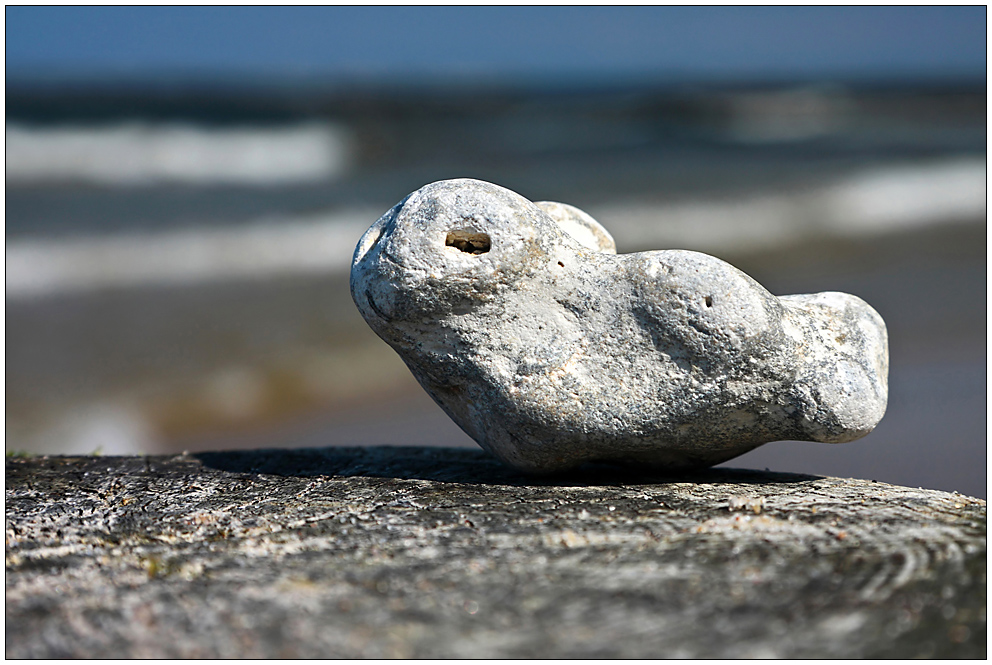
<point>434,553</point>
<point>551,350</point>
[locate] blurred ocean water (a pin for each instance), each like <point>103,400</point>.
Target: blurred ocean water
<point>890,199</point>
<point>178,279</point>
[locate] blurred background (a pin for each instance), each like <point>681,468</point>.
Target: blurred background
<point>185,187</point>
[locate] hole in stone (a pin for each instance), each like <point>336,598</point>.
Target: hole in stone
<point>468,241</point>
<point>709,301</point>
<point>561,264</point>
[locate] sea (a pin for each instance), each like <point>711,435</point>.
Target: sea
<point>177,256</point>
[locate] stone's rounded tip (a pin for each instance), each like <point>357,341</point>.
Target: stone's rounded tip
<point>551,350</point>
<point>844,362</point>
<point>580,226</point>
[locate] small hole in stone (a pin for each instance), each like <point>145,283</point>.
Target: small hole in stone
<point>468,241</point>
<point>561,264</point>
<point>709,301</point>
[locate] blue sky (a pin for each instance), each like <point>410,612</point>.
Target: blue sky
<point>499,42</point>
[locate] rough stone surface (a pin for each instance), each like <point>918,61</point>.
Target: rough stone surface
<point>551,350</point>
<point>382,552</point>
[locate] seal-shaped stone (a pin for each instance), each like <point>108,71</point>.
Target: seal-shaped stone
<point>550,350</point>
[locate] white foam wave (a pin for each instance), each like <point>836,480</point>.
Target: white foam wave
<point>872,202</point>
<point>141,154</point>
<point>268,247</point>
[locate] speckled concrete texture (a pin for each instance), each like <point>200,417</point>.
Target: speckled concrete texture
<point>441,553</point>
<point>551,350</point>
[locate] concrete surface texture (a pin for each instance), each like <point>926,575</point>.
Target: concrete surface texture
<point>421,552</point>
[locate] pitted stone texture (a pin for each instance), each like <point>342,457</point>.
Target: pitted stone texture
<point>550,350</point>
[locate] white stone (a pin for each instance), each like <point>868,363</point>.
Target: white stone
<point>550,350</point>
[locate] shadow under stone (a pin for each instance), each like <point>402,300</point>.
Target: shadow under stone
<point>456,465</point>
